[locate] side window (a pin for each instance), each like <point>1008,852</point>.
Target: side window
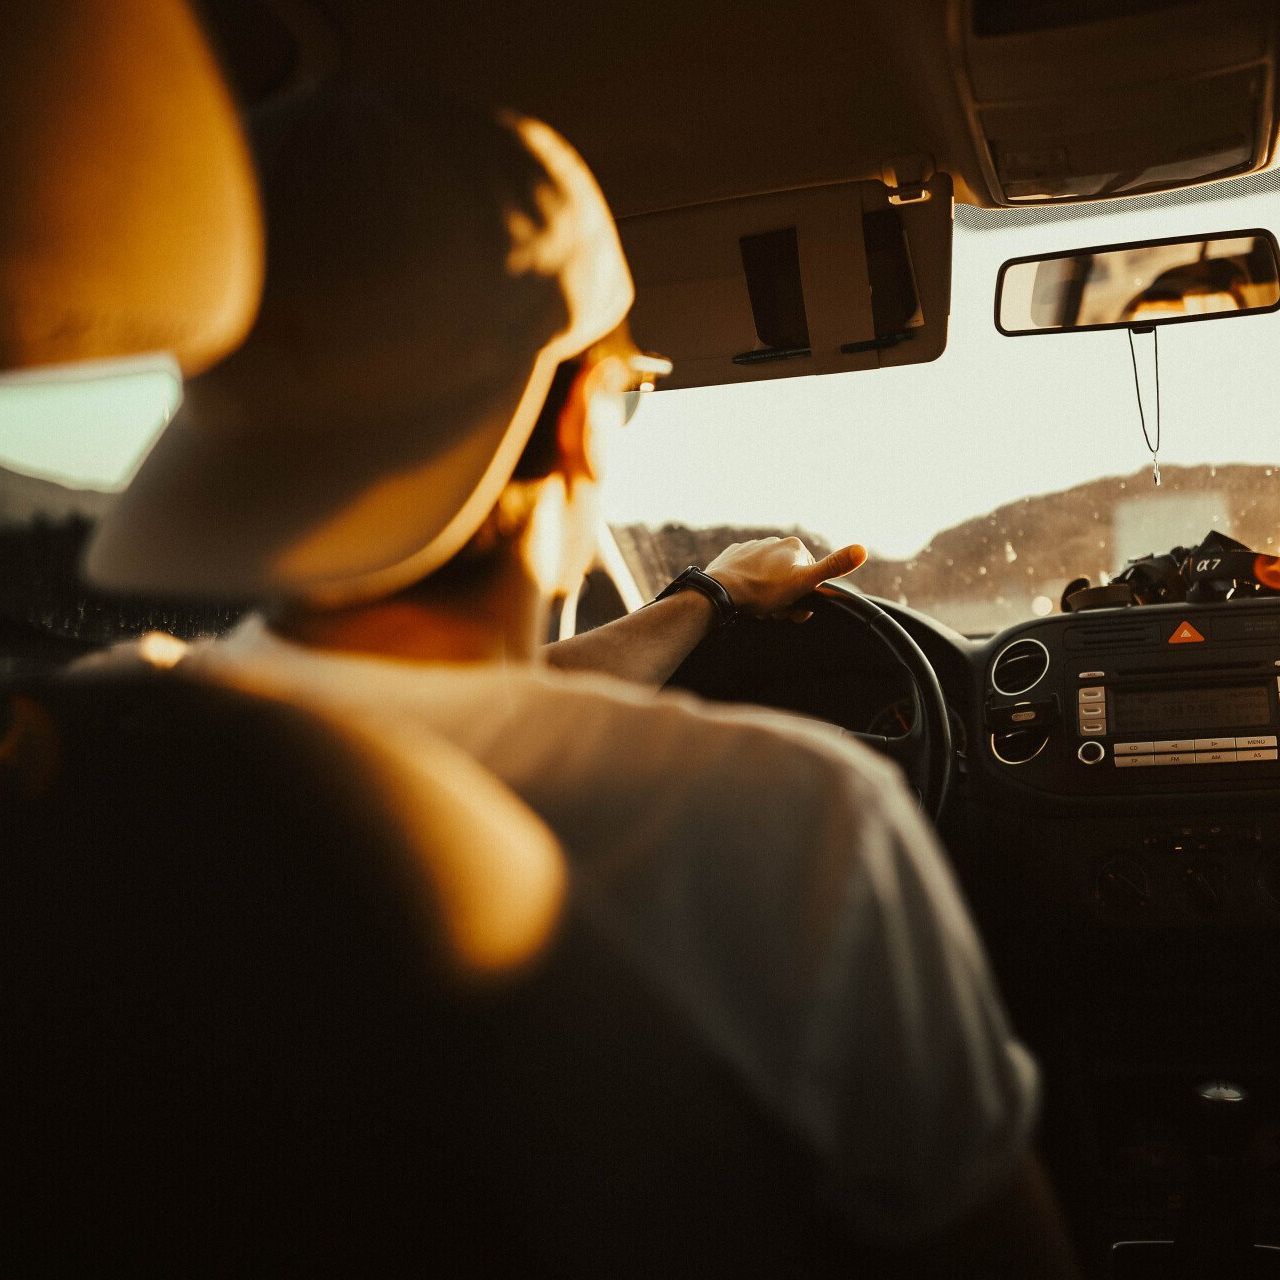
<point>48,616</point>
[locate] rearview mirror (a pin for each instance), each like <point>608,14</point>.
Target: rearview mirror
<point>1143,283</point>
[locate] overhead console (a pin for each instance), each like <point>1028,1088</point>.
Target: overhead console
<point>1162,699</point>
<point>854,275</point>
<point>1088,99</point>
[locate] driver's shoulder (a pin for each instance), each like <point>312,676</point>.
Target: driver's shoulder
<point>758,744</point>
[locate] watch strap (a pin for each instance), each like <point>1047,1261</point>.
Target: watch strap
<point>695,579</point>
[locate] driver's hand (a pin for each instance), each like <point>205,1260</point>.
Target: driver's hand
<point>768,575</point>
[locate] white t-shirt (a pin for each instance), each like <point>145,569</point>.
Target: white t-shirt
<point>772,879</point>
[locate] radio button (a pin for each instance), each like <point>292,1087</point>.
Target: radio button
<point>1175,757</point>
<point>1095,694</point>
<point>1176,744</point>
<point>1133,762</point>
<point>1256,740</point>
<point>1093,726</point>
<point>1257,753</point>
<point>1215,744</point>
<point>1214,757</point>
<point>1134,748</point>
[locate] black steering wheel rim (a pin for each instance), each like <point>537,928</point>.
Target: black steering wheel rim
<point>925,753</point>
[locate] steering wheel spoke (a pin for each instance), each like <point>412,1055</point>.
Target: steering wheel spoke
<point>903,749</point>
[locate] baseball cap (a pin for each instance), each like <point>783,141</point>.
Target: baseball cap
<point>429,265</point>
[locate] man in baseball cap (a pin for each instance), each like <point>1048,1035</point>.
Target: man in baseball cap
<point>409,335</point>
<point>399,465</point>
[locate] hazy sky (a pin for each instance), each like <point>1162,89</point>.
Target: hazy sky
<point>887,458</point>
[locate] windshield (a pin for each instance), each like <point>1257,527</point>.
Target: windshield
<point>982,483</point>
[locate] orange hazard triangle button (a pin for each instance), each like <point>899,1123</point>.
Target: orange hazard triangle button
<point>1186,634</point>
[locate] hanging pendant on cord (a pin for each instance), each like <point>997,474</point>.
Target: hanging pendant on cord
<point>1154,448</point>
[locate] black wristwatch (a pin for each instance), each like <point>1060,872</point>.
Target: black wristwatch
<point>694,579</point>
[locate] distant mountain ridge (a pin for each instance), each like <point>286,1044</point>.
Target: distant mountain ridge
<point>1042,542</point>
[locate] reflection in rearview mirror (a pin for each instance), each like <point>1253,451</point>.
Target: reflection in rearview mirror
<point>1140,284</point>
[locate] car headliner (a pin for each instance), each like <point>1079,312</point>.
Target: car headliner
<point>673,104</point>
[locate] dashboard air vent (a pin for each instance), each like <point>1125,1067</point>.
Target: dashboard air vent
<point>1018,746</point>
<point>1019,666</point>
<point>1110,635</point>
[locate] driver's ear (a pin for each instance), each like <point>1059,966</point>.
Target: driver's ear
<point>588,413</point>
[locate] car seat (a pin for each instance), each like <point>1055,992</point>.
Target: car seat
<point>238,1041</point>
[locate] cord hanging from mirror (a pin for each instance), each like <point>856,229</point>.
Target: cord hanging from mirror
<point>1137,387</point>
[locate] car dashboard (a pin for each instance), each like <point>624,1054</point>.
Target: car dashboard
<point>1135,751</point>
<point>1139,748</point>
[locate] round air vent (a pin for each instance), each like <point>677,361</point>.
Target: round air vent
<point>1018,746</point>
<point>1019,666</point>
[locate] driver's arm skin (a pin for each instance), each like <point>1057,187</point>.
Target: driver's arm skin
<point>764,577</point>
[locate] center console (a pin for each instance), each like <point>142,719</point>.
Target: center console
<point>1123,856</point>
<point>1129,773</point>
<point>1163,699</point>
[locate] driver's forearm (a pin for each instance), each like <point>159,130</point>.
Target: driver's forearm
<point>645,646</point>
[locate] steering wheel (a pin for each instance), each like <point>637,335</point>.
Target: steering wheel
<point>925,753</point>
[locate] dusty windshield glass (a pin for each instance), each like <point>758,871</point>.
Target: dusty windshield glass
<point>983,482</point>
<point>69,439</point>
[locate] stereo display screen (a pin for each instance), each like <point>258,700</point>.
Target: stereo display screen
<point>1187,712</point>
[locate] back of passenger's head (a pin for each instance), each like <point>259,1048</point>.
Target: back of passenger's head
<point>430,264</point>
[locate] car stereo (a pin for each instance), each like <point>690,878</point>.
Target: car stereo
<point>1176,723</point>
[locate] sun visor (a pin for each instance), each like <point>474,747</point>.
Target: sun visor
<point>824,280</point>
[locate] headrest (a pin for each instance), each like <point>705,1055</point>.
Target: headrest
<point>129,218</point>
